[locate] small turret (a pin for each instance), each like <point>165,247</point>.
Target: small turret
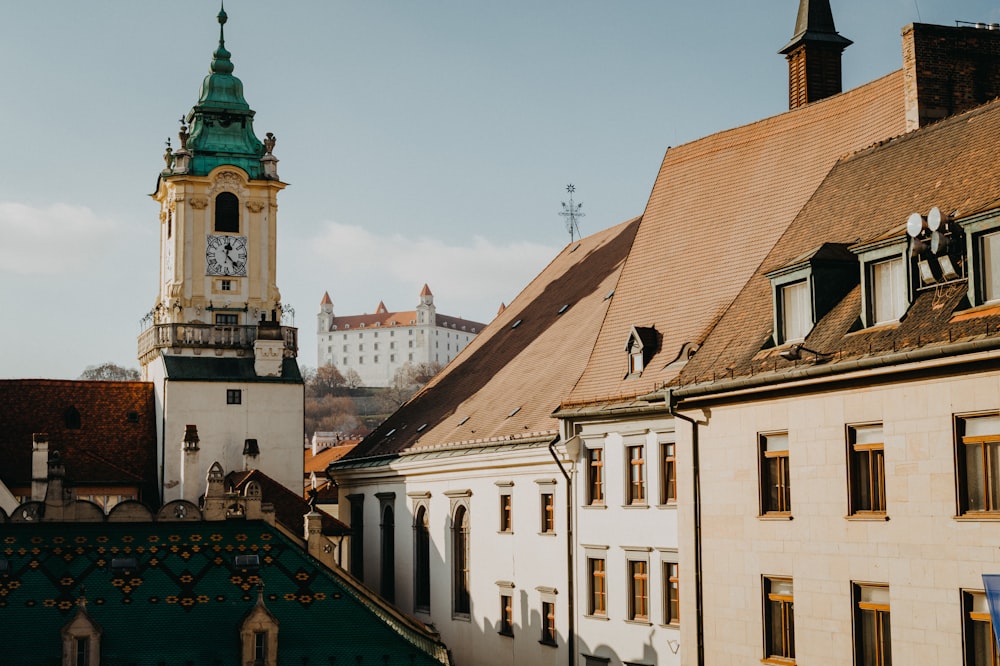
<point>814,55</point>
<point>426,312</point>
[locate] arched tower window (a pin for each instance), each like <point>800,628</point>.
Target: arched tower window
<point>421,561</point>
<point>227,213</point>
<point>388,563</point>
<point>460,561</point>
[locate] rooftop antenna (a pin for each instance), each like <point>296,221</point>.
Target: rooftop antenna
<point>571,211</point>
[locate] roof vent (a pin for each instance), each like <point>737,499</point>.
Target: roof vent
<point>390,433</point>
<point>462,422</point>
<point>575,248</point>
<point>516,410</point>
<point>421,427</point>
<point>123,563</point>
<point>610,294</point>
<point>516,323</point>
<point>563,309</point>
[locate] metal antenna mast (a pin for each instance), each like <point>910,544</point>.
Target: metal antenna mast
<point>571,211</point>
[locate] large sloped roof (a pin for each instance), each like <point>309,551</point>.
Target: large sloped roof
<point>185,597</point>
<point>506,383</point>
<point>290,508</point>
<point>104,431</point>
<point>717,207</point>
<point>868,197</point>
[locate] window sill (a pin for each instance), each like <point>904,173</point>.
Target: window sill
<point>505,531</point>
<point>602,507</point>
<point>424,610</point>
<point>635,506</point>
<point>640,622</point>
<point>546,534</point>
<point>986,516</point>
<point>777,660</point>
<point>599,618</point>
<point>871,516</point>
<point>462,617</point>
<point>776,516</point>
<point>671,625</point>
<point>548,643</point>
<point>667,505</point>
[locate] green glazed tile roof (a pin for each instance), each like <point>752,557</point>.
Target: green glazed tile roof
<point>221,123</point>
<point>185,599</point>
<point>226,369</point>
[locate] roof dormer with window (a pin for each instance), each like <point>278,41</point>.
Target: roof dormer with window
<point>982,246</point>
<point>808,287</point>
<point>642,344</point>
<point>886,279</point>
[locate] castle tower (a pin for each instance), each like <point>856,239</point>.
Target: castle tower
<point>325,317</point>
<point>214,344</point>
<point>814,55</point>
<point>426,312</point>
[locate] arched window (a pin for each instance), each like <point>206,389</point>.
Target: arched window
<point>421,562</point>
<point>460,561</point>
<point>388,563</point>
<point>227,213</point>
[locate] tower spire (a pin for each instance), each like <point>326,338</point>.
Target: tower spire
<point>221,59</point>
<point>814,55</point>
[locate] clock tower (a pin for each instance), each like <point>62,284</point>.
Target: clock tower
<point>227,382</point>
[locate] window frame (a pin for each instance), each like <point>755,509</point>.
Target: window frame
<point>234,396</point>
<point>461,578</point>
<point>636,484</point>
<point>668,472</point>
<point>783,497</point>
<point>670,583</point>
<point>596,490</point>
<point>597,585</point>
<point>899,290</point>
<point>786,305</point>
<point>976,228</point>
<point>779,647</point>
<point>973,623</point>
<point>224,215</point>
<point>506,506</point>
<point>387,546</point>
<point>356,562</point>
<point>866,468</point>
<point>637,576</point>
<point>547,508</point>
<point>990,457</point>
<point>881,624</point>
<point>421,558</point>
<point>506,613</point>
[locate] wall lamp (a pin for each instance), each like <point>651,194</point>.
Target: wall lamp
<point>794,353</point>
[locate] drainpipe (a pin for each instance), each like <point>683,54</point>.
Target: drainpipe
<point>671,403</point>
<point>572,450</point>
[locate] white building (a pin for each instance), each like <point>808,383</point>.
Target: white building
<point>377,345</point>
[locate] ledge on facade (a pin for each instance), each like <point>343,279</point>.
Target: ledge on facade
<point>208,336</point>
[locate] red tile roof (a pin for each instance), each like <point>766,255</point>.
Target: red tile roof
<point>717,207</point>
<point>114,443</point>
<point>319,462</point>
<point>866,197</point>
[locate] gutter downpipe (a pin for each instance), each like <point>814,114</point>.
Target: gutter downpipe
<point>671,404</point>
<point>570,607</point>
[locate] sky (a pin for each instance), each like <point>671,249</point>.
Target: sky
<point>424,141</point>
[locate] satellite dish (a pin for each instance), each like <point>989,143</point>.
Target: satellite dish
<point>915,224</point>
<point>939,243</point>
<point>934,219</point>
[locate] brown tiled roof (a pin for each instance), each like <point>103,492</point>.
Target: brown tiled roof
<point>114,443</point>
<point>289,507</point>
<point>382,318</point>
<point>506,383</point>
<point>717,207</point>
<point>866,197</point>
<point>318,462</point>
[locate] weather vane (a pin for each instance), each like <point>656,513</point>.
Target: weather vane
<point>571,211</point>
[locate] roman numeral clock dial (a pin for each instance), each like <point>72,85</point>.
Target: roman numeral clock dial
<point>226,255</point>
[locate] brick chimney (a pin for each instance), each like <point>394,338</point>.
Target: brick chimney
<point>948,70</point>
<point>814,55</point>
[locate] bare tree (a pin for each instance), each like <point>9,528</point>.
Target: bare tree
<point>110,372</point>
<point>406,381</point>
<point>325,381</point>
<point>352,379</point>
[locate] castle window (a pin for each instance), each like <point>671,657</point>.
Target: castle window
<point>227,213</point>
<point>422,561</point>
<point>234,396</point>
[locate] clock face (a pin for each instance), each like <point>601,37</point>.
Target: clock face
<point>226,255</point>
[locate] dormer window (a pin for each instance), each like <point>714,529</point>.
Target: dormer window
<point>885,279</point>
<point>806,288</point>
<point>983,245</point>
<point>642,343</point>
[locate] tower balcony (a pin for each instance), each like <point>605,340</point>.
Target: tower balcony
<point>208,336</point>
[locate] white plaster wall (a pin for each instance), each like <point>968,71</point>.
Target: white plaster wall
<point>270,412</point>
<point>925,554</point>
<point>525,557</point>
<point>618,527</point>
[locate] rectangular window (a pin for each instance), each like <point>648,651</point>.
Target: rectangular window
<point>548,513</point>
<point>668,473</point>
<point>595,476</point>
<point>259,647</point>
<point>866,467</point>
<point>979,463</point>
<point>989,253</point>
<point>506,512</point>
<point>638,593</point>
<point>671,593</point>
<point>775,483</point>
<point>796,311</point>
<point>506,614</point>
<point>548,623</point>
<point>888,290</point>
<point>980,643</point>
<point>226,285</point>
<point>636,476</point>
<point>83,651</point>
<point>357,543</point>
<point>234,396</point>
<point>597,571</point>
<point>223,319</point>
<point>779,619</point>
<point>872,637</point>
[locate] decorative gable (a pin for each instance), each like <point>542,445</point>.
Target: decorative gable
<point>259,635</point>
<point>81,639</point>
<point>643,342</point>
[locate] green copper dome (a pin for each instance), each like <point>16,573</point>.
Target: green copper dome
<point>221,123</point>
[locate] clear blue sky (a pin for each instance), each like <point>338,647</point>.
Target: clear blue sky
<point>423,141</point>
